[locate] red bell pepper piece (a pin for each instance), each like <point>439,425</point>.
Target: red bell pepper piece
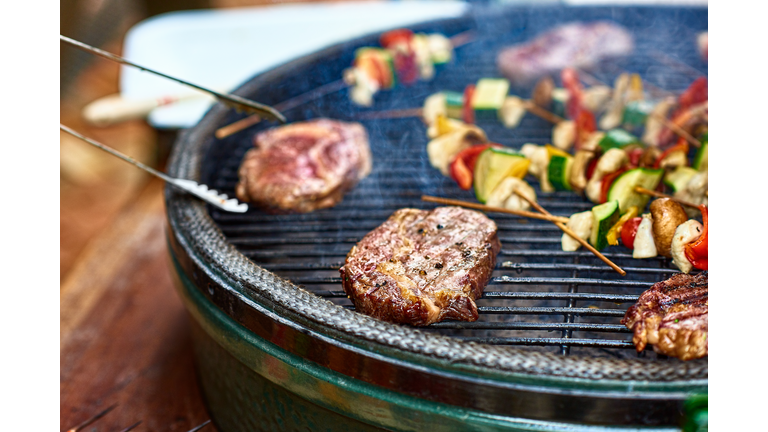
<point>629,232</point>
<point>695,94</point>
<point>682,145</point>
<point>591,168</point>
<point>571,82</point>
<point>585,125</point>
<point>462,168</point>
<point>398,42</point>
<point>467,113</point>
<point>634,156</point>
<point>697,251</point>
<point>394,37</point>
<point>607,182</point>
<point>461,173</point>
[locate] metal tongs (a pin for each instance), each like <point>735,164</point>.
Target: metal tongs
<point>201,191</point>
<point>231,100</point>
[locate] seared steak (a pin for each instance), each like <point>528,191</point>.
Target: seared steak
<point>420,267</point>
<point>576,45</point>
<point>673,317</point>
<point>304,166</point>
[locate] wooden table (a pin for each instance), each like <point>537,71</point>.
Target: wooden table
<point>124,331</point>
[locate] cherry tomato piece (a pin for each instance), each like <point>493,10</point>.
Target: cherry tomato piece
<point>629,231</point>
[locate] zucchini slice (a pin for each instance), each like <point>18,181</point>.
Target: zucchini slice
<point>489,97</point>
<point>679,178</point>
<point>559,172</point>
<point>617,138</point>
<point>495,164</point>
<point>623,188</point>
<point>701,162</point>
<point>604,216</point>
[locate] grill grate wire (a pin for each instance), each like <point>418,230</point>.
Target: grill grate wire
<point>539,297</point>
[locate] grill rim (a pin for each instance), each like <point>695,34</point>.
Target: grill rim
<point>194,234</point>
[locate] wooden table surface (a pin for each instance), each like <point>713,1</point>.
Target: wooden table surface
<point>124,331</point>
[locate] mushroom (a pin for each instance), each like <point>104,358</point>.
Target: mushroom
<point>434,105</point>
<point>564,135</point>
<point>539,157</point>
<point>505,195</point>
<point>512,111</point>
<point>644,244</point>
<point>610,162</point>
<point>686,233</point>
<point>581,225</point>
<point>444,148</point>
<point>667,216</point>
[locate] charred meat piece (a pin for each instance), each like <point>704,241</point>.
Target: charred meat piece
<point>577,45</point>
<point>304,166</point>
<point>420,267</point>
<point>673,317</point>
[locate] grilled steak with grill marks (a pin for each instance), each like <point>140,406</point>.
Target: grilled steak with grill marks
<point>420,267</point>
<point>304,166</point>
<point>673,317</point>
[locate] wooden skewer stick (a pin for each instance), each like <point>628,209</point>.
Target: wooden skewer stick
<point>645,191</point>
<point>541,112</point>
<point>237,126</point>
<point>453,202</point>
<point>92,419</point>
<point>676,129</point>
<point>249,121</point>
<point>570,232</point>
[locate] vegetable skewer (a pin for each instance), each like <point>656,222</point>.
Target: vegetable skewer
<point>575,236</point>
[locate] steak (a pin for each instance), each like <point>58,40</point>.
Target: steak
<point>672,316</point>
<point>304,166</point>
<point>577,45</point>
<point>420,267</point>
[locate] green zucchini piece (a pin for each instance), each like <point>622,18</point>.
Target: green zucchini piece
<point>559,99</point>
<point>679,178</point>
<point>495,164</point>
<point>489,96</point>
<point>636,112</point>
<point>701,162</point>
<point>454,104</point>
<point>559,171</point>
<point>617,138</point>
<point>623,188</point>
<point>604,216</point>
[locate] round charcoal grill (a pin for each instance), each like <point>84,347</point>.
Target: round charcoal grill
<point>278,344</point>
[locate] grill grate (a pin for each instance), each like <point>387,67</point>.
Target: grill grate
<point>540,297</point>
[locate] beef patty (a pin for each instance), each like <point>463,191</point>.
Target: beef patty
<point>672,316</point>
<point>304,166</point>
<point>420,267</point>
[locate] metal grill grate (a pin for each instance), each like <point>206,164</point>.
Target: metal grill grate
<point>540,296</point>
